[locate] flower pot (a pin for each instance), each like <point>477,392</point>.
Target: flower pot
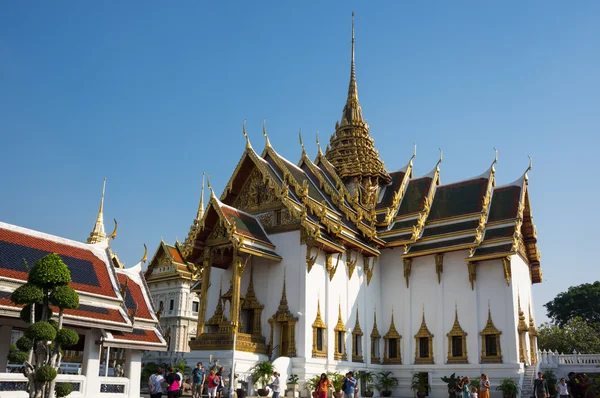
<point>386,393</point>
<point>368,394</point>
<point>262,392</point>
<point>241,393</point>
<point>338,394</point>
<point>421,394</point>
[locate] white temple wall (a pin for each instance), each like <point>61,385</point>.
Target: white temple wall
<point>316,283</point>
<point>372,304</point>
<point>522,289</point>
<point>393,296</point>
<point>491,289</point>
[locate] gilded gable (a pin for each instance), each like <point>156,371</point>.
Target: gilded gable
<point>256,195</point>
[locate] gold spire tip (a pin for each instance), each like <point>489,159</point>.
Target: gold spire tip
<point>200,213</point>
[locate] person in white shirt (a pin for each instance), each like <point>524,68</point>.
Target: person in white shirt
<point>155,384</point>
<point>180,382</point>
<point>275,385</point>
<point>562,388</point>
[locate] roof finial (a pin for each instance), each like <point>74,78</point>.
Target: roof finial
<point>437,165</point>
<point>301,143</point>
<point>248,146</point>
<point>212,193</point>
<point>267,143</point>
<point>200,213</point>
<point>145,257</point>
<point>319,144</point>
<point>495,161</point>
<point>98,234</point>
<point>528,168</point>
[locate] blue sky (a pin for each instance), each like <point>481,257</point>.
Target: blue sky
<point>151,95</point>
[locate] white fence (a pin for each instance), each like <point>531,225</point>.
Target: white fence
<point>562,364</point>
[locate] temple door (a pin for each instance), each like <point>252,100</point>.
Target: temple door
<point>284,339</point>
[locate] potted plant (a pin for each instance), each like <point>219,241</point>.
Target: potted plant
<point>420,384</point>
<point>366,379</point>
<point>293,383</point>
<point>451,381</point>
<point>508,387</point>
<point>261,374</point>
<point>337,380</point>
<point>386,382</point>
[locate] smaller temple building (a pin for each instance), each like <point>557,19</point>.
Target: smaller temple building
<point>175,291</point>
<point>115,319</point>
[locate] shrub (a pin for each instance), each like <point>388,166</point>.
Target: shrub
<point>63,389</point>
<point>64,297</point>
<point>24,344</point>
<point>67,337</point>
<point>27,294</point>
<point>17,357</point>
<point>45,373</point>
<point>40,331</point>
<point>49,271</point>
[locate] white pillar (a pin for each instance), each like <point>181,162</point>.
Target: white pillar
<point>133,371</point>
<point>90,367</point>
<point>5,333</point>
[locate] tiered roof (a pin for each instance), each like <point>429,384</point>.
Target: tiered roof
<point>346,200</point>
<point>98,283</point>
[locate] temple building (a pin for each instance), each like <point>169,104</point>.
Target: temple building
<point>115,319</point>
<point>335,263</point>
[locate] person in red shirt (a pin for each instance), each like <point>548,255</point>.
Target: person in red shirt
<point>213,382</point>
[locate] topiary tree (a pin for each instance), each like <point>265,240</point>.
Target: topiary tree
<point>40,349</point>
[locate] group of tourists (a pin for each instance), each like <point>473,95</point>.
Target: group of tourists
<point>463,386</point>
<point>172,383</point>
<point>348,387</point>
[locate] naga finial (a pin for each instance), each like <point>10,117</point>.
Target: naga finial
<point>319,144</point>
<point>528,168</point>
<point>495,160</point>
<point>414,151</point>
<point>113,234</point>
<point>248,146</point>
<point>212,193</point>
<point>145,257</point>
<point>301,143</point>
<point>267,143</point>
<point>440,160</point>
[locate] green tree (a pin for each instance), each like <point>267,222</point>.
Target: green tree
<point>39,350</point>
<point>576,334</point>
<point>582,301</point>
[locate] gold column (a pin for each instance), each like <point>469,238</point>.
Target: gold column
<point>236,277</point>
<point>204,292</point>
<point>292,338</point>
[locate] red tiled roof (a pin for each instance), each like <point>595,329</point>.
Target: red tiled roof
<point>18,251</point>
<point>135,296</point>
<point>148,336</point>
<point>84,310</point>
<point>175,253</point>
<point>245,224</point>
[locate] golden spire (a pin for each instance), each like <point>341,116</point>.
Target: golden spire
<point>98,234</point>
<point>200,213</point>
<point>283,304</point>
<point>522,326</point>
<point>351,148</point>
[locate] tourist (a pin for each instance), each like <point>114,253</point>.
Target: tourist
<point>181,380</point>
<point>473,392</point>
<point>562,388</point>
<point>213,383</point>
<point>155,384</point>
<point>221,385</point>
<point>323,386</point>
<point>173,381</point>
<point>349,385</point>
<point>198,376</point>
<point>540,387</point>
<point>275,385</point>
<point>464,385</point>
<point>484,386</point>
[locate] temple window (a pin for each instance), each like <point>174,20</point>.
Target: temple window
<point>340,340</point>
<point>278,219</point>
<point>491,351</point>
<point>319,348</point>
<point>375,341</point>
<point>424,344</point>
<point>251,310</point>
<point>357,335</point>
<point>392,354</point>
<point>171,305</point>
<point>195,306</point>
<point>457,342</point>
